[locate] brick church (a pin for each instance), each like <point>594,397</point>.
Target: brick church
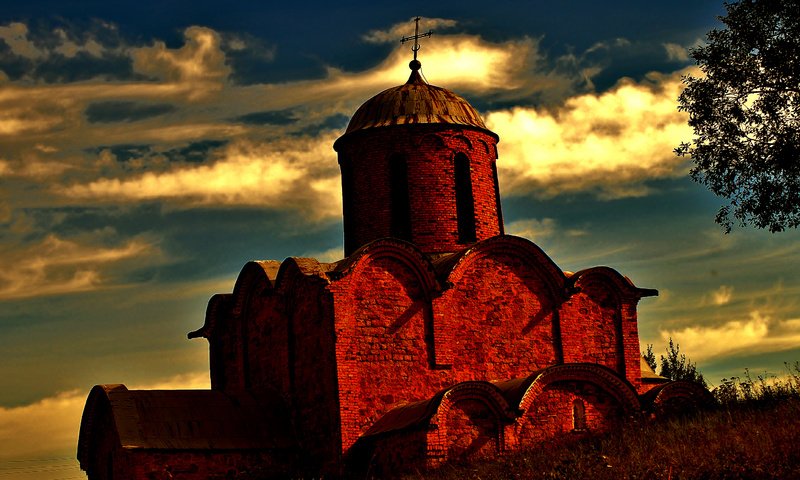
<point>437,338</point>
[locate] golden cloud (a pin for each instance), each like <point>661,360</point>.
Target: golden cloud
<point>49,427</point>
<point>757,334</point>
<point>403,29</point>
<point>199,61</point>
<point>298,174</point>
<point>611,143</point>
<point>57,266</point>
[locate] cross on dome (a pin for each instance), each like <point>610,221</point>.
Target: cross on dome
<point>415,64</point>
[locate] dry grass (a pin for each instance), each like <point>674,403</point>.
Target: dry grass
<point>753,434</point>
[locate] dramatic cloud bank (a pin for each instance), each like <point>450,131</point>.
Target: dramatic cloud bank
<point>610,143</point>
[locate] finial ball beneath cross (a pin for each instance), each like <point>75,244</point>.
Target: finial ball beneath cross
<point>414,65</point>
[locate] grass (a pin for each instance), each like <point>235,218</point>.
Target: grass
<point>753,434</point>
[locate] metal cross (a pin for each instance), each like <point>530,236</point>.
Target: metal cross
<point>416,37</point>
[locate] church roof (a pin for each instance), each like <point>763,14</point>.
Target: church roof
<point>185,420</point>
<point>414,102</point>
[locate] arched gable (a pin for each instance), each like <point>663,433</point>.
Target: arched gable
<point>622,284</point>
<point>677,397</point>
<point>96,424</point>
<point>603,377</point>
<point>217,310</point>
<point>571,399</point>
<point>452,270</point>
<point>484,391</point>
<point>256,277</point>
<point>404,252</point>
<point>498,318</point>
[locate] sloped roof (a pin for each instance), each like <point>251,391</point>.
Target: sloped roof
<point>187,420</point>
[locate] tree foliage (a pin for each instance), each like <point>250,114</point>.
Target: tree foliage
<point>650,357</point>
<point>676,366</point>
<point>745,112</point>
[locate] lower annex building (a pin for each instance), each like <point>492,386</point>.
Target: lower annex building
<point>436,338</point>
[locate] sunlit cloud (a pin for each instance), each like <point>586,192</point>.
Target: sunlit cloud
<point>15,35</point>
<point>532,229</point>
<point>677,53</point>
<point>60,266</point>
<point>296,174</point>
<point>200,61</point>
<point>50,426</point>
<point>722,295</point>
<point>405,29</point>
<point>759,333</point>
<point>611,143</point>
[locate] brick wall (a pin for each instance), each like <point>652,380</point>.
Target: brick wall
<point>551,412</point>
<point>499,316</point>
<point>429,151</point>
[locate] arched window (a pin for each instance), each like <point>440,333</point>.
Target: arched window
<point>578,415</point>
<point>348,187</point>
<point>400,205</point>
<point>465,203</point>
<point>497,199</point>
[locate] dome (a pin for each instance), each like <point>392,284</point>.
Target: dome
<point>415,102</point>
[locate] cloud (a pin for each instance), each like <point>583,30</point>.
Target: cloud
<point>297,174</point>
<point>200,61</point>
<point>676,53</point>
<point>532,229</point>
<point>722,295</point>
<point>117,111</point>
<point>57,266</point>
<point>759,333</point>
<point>50,426</point>
<point>610,143</point>
<point>15,35</point>
<point>405,29</point>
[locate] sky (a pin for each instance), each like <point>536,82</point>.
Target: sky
<point>148,150</point>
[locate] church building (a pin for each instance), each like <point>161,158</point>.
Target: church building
<point>437,338</point>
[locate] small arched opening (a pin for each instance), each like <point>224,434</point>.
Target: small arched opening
<point>465,203</point>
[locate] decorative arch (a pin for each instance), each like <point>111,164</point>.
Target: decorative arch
<point>603,377</point>
<point>520,313</point>
<point>470,420</point>
<point>432,138</point>
<point>485,146</point>
<point>257,277</point>
<point>677,397</point>
<point>404,252</point>
<point>621,283</point>
<point>461,141</point>
<point>527,251</point>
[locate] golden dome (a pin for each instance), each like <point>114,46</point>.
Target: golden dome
<point>415,102</point>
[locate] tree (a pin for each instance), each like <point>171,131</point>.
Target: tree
<point>676,366</point>
<point>650,357</point>
<point>745,112</point>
